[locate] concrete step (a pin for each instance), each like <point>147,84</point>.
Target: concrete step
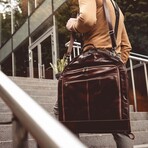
<point>107,140</point>
<point>91,140</point>
<point>137,126</point>
<point>9,144</point>
<point>45,99</point>
<point>34,81</point>
<point>4,129</point>
<point>49,101</point>
<point>39,99</point>
<point>49,85</point>
<point>5,117</point>
<point>139,115</point>
<point>140,125</point>
<point>141,137</point>
<point>141,146</point>
<point>40,92</point>
<point>98,140</point>
<point>5,109</point>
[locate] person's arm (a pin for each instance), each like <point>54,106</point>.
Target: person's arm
<point>125,46</point>
<point>86,19</point>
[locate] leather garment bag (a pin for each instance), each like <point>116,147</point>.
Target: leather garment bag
<point>92,94</point>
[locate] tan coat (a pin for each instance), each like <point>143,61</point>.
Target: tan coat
<point>91,22</point>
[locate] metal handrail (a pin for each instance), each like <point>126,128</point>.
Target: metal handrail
<point>138,59</point>
<point>138,55</point>
<point>46,130</point>
<point>143,62</point>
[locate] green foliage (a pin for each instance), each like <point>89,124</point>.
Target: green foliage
<point>60,65</point>
<point>136,21</point>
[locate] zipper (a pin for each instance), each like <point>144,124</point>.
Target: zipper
<point>84,69</point>
<point>77,81</point>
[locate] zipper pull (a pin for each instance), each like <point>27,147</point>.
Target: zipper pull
<point>85,69</point>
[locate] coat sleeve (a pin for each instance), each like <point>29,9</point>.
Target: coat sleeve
<point>125,46</point>
<point>87,16</point>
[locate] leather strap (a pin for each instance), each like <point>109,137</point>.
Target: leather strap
<point>116,8</point>
<point>111,30</point>
<point>69,50</point>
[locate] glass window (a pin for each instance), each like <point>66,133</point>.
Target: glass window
<point>47,57</point>
<point>42,29</point>
<point>6,66</point>
<point>39,2</point>
<point>34,4</point>
<point>14,15</point>
<point>21,14</point>
<point>22,61</point>
<point>31,5</point>
<point>35,63</point>
<point>5,25</point>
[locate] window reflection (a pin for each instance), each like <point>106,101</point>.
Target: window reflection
<point>5,29</point>
<point>19,18</point>
<point>6,66</point>
<point>10,22</point>
<point>21,60</point>
<point>34,4</point>
<point>31,6</point>
<point>39,2</point>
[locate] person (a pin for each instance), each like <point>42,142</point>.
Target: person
<point>91,22</point>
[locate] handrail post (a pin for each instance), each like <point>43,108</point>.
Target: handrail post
<point>43,71</point>
<point>19,133</point>
<point>133,85</point>
<point>146,77</point>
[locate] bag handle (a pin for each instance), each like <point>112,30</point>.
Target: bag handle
<point>111,30</point>
<point>69,50</point>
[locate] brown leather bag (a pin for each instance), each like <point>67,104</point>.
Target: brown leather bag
<point>92,93</point>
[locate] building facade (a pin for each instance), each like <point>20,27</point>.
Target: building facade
<point>28,39</point>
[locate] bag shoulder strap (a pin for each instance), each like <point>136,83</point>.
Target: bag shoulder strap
<point>111,30</point>
<point>117,13</point>
<point>70,47</point>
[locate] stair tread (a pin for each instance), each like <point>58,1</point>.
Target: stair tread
<point>101,140</point>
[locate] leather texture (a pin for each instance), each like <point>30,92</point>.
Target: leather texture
<point>92,93</point>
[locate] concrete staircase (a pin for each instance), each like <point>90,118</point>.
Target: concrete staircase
<point>45,93</point>
<point>42,91</point>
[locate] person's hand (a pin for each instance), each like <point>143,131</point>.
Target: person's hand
<point>119,56</point>
<point>70,23</point>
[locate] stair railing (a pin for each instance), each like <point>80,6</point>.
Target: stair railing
<point>31,117</point>
<point>142,59</point>
<point>76,49</point>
